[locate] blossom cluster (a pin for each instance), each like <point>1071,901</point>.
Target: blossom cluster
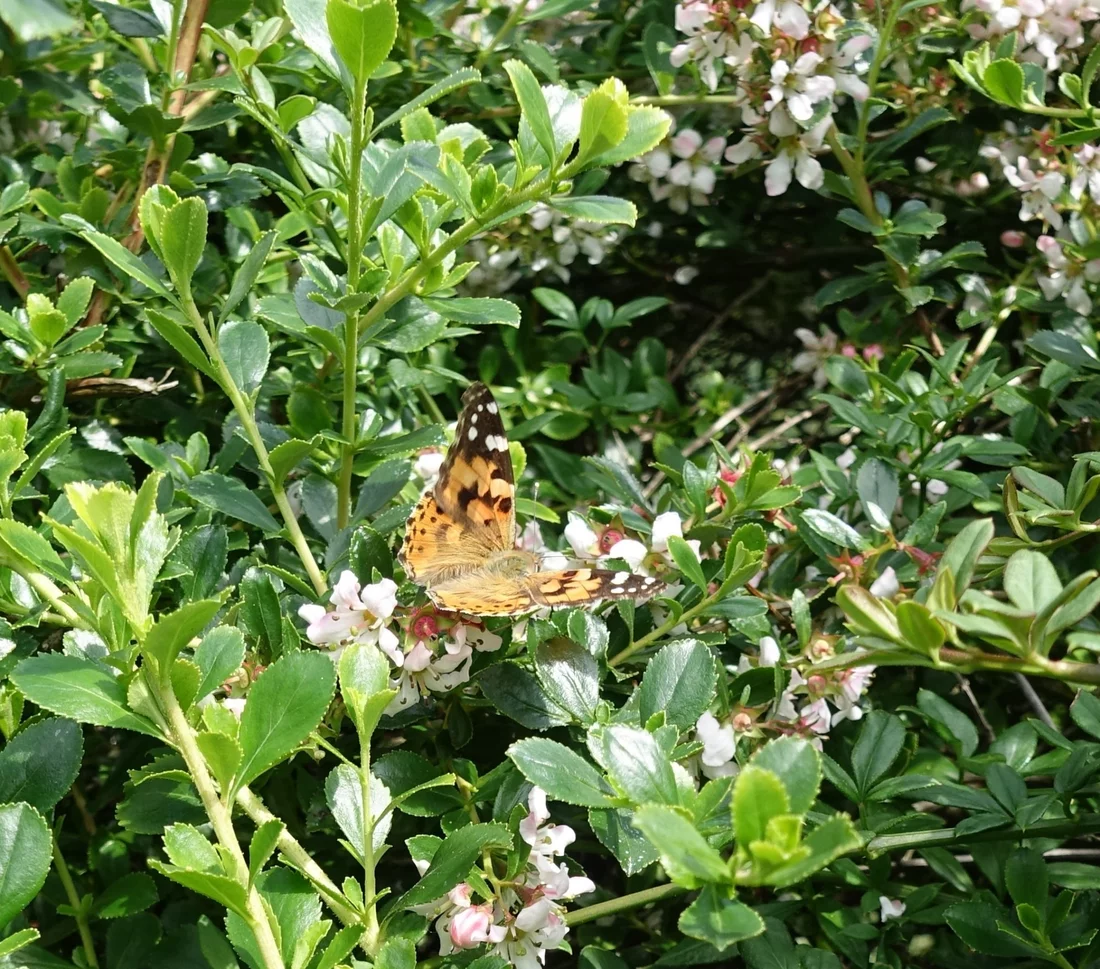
<point>681,170</point>
<point>1049,32</point>
<point>811,704</point>
<point>431,652</point>
<point>524,919</point>
<point>816,56</point>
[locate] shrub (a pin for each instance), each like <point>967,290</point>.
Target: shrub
<point>778,314</point>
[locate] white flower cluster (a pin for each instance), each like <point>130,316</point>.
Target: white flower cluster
<point>525,919</point>
<point>815,55</point>
<point>1050,32</point>
<point>432,656</point>
<point>589,546</point>
<point>681,170</point>
<point>810,706</point>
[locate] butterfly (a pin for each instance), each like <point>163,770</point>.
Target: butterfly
<point>460,541</point>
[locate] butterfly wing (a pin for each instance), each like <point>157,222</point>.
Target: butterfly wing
<point>484,593</point>
<point>470,513</point>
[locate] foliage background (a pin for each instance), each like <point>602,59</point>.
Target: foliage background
<point>895,356</point>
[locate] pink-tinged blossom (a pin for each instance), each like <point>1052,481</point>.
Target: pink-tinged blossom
<point>360,615</point>
<point>1087,174</point>
<point>581,538</point>
<point>1039,191</point>
<point>1065,279</point>
<point>886,585</point>
<point>890,908</point>
<point>816,351</point>
<point>799,85</point>
<point>474,925</point>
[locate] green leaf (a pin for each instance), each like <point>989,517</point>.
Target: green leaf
<point>831,528</point>
<point>222,889</point>
<point>344,796</point>
<point>40,763</point>
<point>18,940</point>
<point>758,796</point>
<point>452,861</point>
<point>283,708</point>
<point>121,257</point>
<point>79,689</point>
<point>25,852</point>
<point>918,627</point>
<point>719,920</point>
<point>646,127</point>
<point>249,272</point>
<point>603,120</point>
<point>26,543</point>
<point>128,895</point>
<point>881,738</point>
<point>962,554</point>
<point>516,693</point>
<point>218,656</point>
<point>183,239</point>
<point>231,497</point>
<point>687,562</point>
<point>475,311</point>
<point>976,924</point>
<point>797,764</point>
<point>173,631</point>
<point>685,853</point>
<point>570,676</point>
<point>562,773</point>
<point>956,725</point>
<point>460,78</point>
<point>262,846</point>
<point>615,831</point>
<point>1026,878</point>
<point>1004,82</point>
<point>246,350</point>
<point>636,763</point>
<point>364,685</point>
<point>362,35</point>
<point>181,341</point>
<point>597,208</point>
<point>74,299</point>
<point>680,681</point>
<point>1031,581</point>
<point>532,105</point>
<point>877,484</point>
<point>826,843</point>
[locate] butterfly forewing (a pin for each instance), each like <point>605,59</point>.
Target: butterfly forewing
<point>469,517</point>
<point>476,484</point>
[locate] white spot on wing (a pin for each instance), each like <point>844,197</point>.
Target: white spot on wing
<point>619,578</point>
<point>472,435</point>
<point>492,408</point>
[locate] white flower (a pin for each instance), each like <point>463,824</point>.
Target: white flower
<point>1065,279</point>
<point>581,538</point>
<point>786,16</point>
<point>719,746</point>
<point>796,155</point>
<point>890,908</point>
<point>1087,174</point>
<point>924,165</point>
<point>360,612</point>
<point>665,526</point>
<point>544,839</point>
<point>630,551</point>
<point>854,682</point>
<point>846,459</point>
<point>427,466</point>
<point>799,85</point>
<point>1039,191</point>
<point>769,652</point>
<point>234,704</point>
<point>886,585</point>
<point>817,349</point>
<point>816,716</point>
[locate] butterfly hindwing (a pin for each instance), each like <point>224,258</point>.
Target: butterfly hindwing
<point>476,485</point>
<point>487,594</point>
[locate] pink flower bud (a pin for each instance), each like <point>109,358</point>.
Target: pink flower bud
<point>873,352</point>
<point>848,350</point>
<point>1013,238</point>
<point>742,721</point>
<point>470,927</point>
<point>609,538</point>
<point>816,685</point>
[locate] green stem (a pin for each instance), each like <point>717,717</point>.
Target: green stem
<point>881,51</point>
<point>1056,828</point>
<point>183,739</point>
<point>684,100</point>
<point>299,858</point>
<point>248,422</point>
<point>49,591</point>
<point>506,28</point>
<point>666,627</point>
<point>370,939</point>
<point>354,260</point>
<point>966,661</point>
<point>626,902</point>
<point>81,916</point>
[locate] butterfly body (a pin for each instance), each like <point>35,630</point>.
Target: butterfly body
<point>460,541</point>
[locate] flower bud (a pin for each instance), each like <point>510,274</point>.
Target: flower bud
<point>470,927</point>
<point>921,945</point>
<point>1013,238</point>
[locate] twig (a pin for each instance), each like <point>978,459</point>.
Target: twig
<point>964,685</point>
<point>724,421</point>
<point>780,429</point>
<point>714,324</point>
<point>1033,698</point>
